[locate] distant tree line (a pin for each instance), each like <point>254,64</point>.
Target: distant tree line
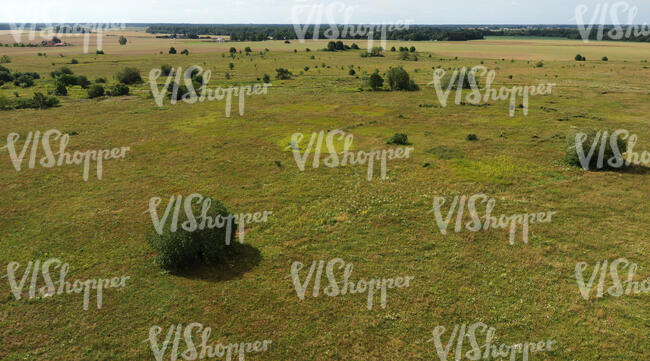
<point>288,32</point>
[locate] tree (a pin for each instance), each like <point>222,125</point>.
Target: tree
<point>331,46</point>
<point>580,58</point>
<point>231,66</point>
<point>185,52</point>
<point>248,49</point>
<point>233,50</point>
<point>392,49</point>
<point>122,40</point>
<point>605,58</point>
<point>266,79</point>
<point>352,72</point>
<point>412,49</point>
<point>354,46</point>
<point>376,81</point>
<point>339,45</point>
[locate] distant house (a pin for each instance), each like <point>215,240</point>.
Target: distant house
<point>220,40</point>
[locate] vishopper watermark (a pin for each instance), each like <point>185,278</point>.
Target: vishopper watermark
<point>617,288</point>
<point>206,348</point>
<point>64,286</point>
<point>617,160</point>
<point>486,351</point>
<point>606,14</point>
<point>51,30</point>
<point>203,220</point>
<point>308,16</point>
<point>479,223</point>
<point>345,286</point>
<point>192,95</point>
<point>458,81</point>
<point>318,140</point>
<point>50,160</point>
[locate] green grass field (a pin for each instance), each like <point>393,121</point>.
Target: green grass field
<point>527,292</point>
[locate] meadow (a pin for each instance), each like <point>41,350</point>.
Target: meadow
<point>384,227</point>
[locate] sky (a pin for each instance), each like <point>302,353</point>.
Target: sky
<point>318,11</point>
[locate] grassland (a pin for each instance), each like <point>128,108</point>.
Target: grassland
<point>527,292</point>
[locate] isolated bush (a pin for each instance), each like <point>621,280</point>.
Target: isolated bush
<point>180,249</point>
<point>283,74</point>
<point>100,80</point>
<point>60,89</point>
<point>129,76</point>
<point>354,46</point>
<point>352,72</point>
<point>74,61</point>
<point>605,58</point>
<point>287,42</point>
<point>399,139</point>
<point>398,79</point>
<point>306,68</point>
<point>95,91</point>
<point>540,64</point>
<point>412,49</point>
<point>172,50</point>
<point>99,52</point>
<point>580,58</point>
<point>375,81</point>
<point>231,66</point>
<point>122,40</point>
<point>119,90</point>
<point>5,60</point>
<point>266,79</point>
<point>185,52</point>
<point>248,49</point>
<point>233,50</point>
<point>587,143</point>
<point>393,49</point>
<point>472,137</point>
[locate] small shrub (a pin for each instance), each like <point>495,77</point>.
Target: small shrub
<point>266,79</point>
<point>580,58</point>
<point>185,52</point>
<point>399,139</point>
<point>605,58</point>
<point>100,80</point>
<point>74,61</point>
<point>166,69</point>
<point>540,64</point>
<point>472,137</point>
<point>24,81</point>
<point>95,91</point>
<point>5,59</point>
<point>83,81</point>
<point>172,50</point>
<point>99,52</point>
<point>352,72</point>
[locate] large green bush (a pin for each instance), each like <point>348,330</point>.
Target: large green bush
<point>95,91</point>
<point>398,79</point>
<point>592,138</point>
<point>180,249</point>
<point>129,76</point>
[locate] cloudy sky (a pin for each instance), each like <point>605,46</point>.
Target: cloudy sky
<point>317,11</point>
